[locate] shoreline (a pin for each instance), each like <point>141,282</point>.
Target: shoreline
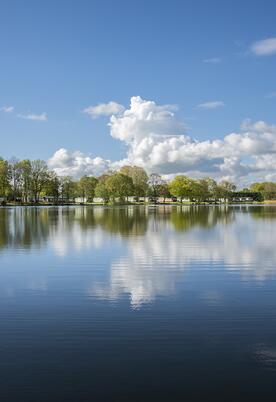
<point>11,204</point>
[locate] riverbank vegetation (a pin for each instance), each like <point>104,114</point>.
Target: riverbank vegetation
<point>31,182</point>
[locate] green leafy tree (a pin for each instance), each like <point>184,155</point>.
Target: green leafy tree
<point>25,169</point>
<point>15,178</point>
<point>139,178</point>
<point>154,183</point>
<point>119,186</point>
<point>267,189</point>
<point>258,187</point>
<point>67,188</point>
<point>4,178</point>
<point>203,189</point>
<point>86,187</point>
<point>52,186</point>
<point>163,191</point>
<point>102,191</point>
<point>182,187</point>
<point>226,189</point>
<point>39,177</point>
<point>199,190</point>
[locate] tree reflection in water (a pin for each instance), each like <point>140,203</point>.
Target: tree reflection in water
<point>144,251</point>
<point>31,227</point>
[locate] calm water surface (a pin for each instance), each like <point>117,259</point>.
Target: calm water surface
<point>138,304</point>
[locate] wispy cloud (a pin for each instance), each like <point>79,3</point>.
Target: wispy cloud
<point>213,60</point>
<point>264,47</point>
<point>211,105</point>
<point>271,95</point>
<point>7,109</point>
<point>104,109</point>
<point>32,116</point>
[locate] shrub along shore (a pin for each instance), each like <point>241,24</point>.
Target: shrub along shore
<point>25,182</point>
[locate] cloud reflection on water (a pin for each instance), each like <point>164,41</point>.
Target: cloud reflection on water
<point>155,263</point>
<point>149,249</point>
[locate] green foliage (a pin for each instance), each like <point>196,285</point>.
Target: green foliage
<point>15,177</point>
<point>119,186</point>
<point>86,187</point>
<point>267,189</point>
<point>207,188</point>
<point>139,178</point>
<point>68,188</point>
<point>102,191</point>
<point>183,187</point>
<point>39,177</point>
<point>163,190</point>
<point>154,183</point>
<point>52,186</point>
<point>28,181</point>
<point>4,178</point>
<point>25,170</point>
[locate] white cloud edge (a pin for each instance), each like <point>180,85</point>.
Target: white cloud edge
<point>7,109</point>
<point>35,117</point>
<point>158,142</point>
<point>27,116</point>
<point>211,105</point>
<point>264,47</point>
<point>104,109</point>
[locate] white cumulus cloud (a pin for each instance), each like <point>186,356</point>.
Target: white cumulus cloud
<point>143,119</point>
<point>157,141</point>
<point>76,164</point>
<point>104,109</point>
<point>264,47</point>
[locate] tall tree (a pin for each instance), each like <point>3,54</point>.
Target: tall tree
<point>102,191</point>
<point>182,187</point>
<point>25,169</point>
<point>15,177</point>
<point>119,186</point>
<point>39,177</point>
<point>203,189</point>
<point>139,178</point>
<point>52,186</point>
<point>86,187</point>
<point>163,191</point>
<point>67,188</point>
<point>4,178</point>
<point>226,189</point>
<point>154,182</point>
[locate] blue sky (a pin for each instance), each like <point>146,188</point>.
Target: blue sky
<point>60,57</point>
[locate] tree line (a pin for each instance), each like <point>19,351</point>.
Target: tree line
<point>267,189</point>
<point>29,181</point>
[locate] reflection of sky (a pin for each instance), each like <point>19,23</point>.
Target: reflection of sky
<point>152,265</point>
<point>77,259</point>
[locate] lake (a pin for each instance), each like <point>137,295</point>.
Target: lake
<point>163,303</point>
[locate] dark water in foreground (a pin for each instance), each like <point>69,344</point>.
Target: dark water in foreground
<point>138,304</point>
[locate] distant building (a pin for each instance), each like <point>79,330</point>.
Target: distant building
<point>80,200</point>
